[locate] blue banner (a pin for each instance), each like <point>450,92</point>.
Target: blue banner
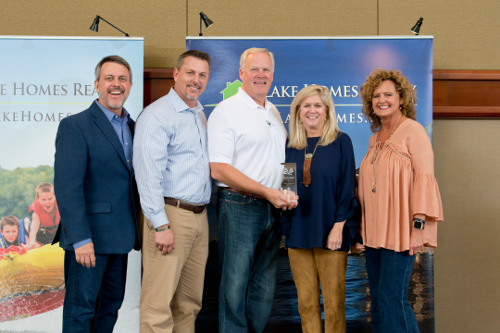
<point>341,64</point>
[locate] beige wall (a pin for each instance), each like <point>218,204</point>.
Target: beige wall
<point>161,22</point>
<point>466,32</point>
<point>466,262</point>
<point>467,286</point>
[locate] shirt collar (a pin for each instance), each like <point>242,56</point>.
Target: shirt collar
<point>180,105</point>
<point>110,114</point>
<point>250,102</point>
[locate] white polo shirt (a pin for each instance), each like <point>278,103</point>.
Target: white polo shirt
<point>248,137</point>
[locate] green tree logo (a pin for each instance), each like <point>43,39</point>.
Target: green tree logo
<point>231,89</point>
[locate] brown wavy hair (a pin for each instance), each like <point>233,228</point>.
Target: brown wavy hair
<point>403,87</point>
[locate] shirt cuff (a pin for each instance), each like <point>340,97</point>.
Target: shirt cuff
<point>82,243</point>
<point>159,220</point>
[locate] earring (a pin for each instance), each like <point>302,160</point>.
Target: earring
<point>300,121</point>
<point>400,107</point>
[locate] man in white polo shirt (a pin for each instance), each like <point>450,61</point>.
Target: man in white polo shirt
<point>246,144</point>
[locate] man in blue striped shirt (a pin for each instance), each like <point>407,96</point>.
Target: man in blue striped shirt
<point>173,176</point>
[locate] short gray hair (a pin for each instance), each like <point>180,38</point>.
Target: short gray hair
<point>254,50</point>
<point>112,58</point>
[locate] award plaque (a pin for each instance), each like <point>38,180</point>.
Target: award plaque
<point>289,180</point>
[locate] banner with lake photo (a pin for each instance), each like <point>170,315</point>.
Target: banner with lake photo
<point>341,64</point>
<point>45,79</point>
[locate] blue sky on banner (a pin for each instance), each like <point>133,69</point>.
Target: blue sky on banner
<point>339,64</point>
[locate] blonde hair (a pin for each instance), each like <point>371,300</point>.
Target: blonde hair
<point>254,50</point>
<point>298,133</point>
<point>403,87</point>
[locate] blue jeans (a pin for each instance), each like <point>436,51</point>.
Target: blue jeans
<point>389,274</point>
<point>93,295</point>
<point>248,257</point>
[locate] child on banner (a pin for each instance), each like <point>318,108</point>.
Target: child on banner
<point>12,232</point>
<point>44,216</point>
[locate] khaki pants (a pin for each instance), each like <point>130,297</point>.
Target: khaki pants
<point>310,267</point>
<point>172,284</point>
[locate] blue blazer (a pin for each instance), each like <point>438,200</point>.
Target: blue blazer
<point>96,192</point>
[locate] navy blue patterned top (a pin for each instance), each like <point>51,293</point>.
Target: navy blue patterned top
<point>330,198</point>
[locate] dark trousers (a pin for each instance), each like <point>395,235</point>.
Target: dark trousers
<point>93,295</point>
<point>248,257</point>
<point>389,274</point>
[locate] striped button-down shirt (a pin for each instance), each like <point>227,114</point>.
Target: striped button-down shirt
<point>120,125</point>
<point>171,156</point>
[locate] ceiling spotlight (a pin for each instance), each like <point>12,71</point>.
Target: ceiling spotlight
<point>208,22</point>
<point>95,25</point>
<point>416,27</point>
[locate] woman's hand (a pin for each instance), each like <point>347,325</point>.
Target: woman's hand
<point>416,237</point>
<point>416,241</point>
<point>334,241</point>
<point>357,248</point>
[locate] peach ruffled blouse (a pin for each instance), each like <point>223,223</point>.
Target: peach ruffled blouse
<point>405,187</point>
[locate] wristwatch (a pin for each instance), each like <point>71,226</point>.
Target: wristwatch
<point>418,224</point>
<point>163,228</point>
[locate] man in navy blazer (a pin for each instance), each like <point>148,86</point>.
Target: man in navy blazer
<point>97,197</point>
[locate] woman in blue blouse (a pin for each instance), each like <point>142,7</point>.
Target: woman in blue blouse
<point>320,231</point>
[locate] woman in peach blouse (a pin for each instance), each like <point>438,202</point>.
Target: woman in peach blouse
<point>399,197</point>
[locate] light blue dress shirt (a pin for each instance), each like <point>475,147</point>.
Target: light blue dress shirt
<point>120,125</point>
<point>171,156</point>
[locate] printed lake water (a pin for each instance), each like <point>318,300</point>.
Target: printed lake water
<point>284,315</point>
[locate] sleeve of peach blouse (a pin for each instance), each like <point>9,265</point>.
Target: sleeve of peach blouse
<point>426,197</point>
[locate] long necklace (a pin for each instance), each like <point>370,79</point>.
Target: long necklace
<point>306,174</point>
<point>376,155</point>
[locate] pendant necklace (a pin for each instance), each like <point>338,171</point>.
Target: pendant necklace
<point>376,154</point>
<point>306,174</point>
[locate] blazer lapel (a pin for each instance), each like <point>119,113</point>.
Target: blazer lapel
<point>103,123</point>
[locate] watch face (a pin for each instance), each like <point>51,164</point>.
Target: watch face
<point>417,225</point>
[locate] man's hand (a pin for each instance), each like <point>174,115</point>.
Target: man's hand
<point>294,199</point>
<point>164,241</point>
<point>85,255</point>
<point>276,198</point>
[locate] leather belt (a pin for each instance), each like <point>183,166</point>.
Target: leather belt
<point>192,208</point>
<point>244,193</point>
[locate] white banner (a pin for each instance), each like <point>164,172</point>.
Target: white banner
<point>43,80</point>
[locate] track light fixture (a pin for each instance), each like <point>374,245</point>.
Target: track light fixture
<point>416,27</point>
<point>208,22</point>
<point>95,25</point>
